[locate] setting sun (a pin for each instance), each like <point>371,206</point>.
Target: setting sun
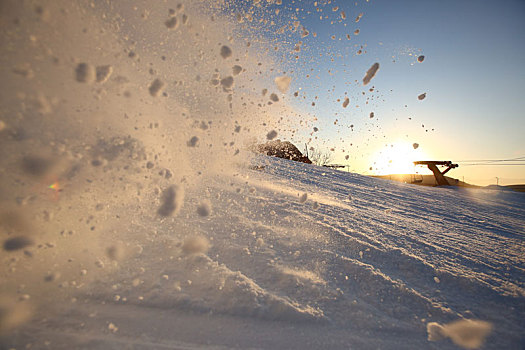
<point>397,158</point>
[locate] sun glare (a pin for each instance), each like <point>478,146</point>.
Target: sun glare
<point>397,158</point>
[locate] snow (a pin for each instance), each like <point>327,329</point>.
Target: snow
<point>370,73</point>
<point>283,83</point>
<point>135,222</point>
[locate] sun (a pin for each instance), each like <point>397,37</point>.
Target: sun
<point>396,158</point>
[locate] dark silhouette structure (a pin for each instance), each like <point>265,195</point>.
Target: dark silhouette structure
<point>282,149</point>
<point>433,166</point>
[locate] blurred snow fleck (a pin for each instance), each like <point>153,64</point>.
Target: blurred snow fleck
<point>156,87</point>
<point>303,197</point>
<point>421,58</point>
<point>283,83</point>
<point>236,70</point>
<point>85,73</point>
<point>271,135</point>
<point>469,334</point>
<point>172,23</point>
<point>226,52</point>
<point>422,96</point>
<point>371,73</point>
<point>358,18</point>
<point>195,245</point>
<point>274,97</point>
<point>204,208</point>
<point>415,145</point>
<point>346,102</point>
<point>193,141</point>
<point>172,199</point>
<point>103,73</point>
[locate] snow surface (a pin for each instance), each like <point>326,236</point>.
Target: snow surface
<point>132,217</point>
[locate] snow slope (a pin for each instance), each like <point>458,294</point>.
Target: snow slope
<point>369,271</point>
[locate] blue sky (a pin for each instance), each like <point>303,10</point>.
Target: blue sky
<point>473,75</point>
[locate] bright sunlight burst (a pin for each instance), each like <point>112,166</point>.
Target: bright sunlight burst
<point>397,158</point>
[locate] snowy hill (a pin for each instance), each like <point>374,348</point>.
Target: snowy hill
<point>356,262</point>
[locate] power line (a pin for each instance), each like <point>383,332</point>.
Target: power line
<point>491,160</point>
<point>492,164</point>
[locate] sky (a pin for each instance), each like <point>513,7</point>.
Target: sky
<point>471,75</point>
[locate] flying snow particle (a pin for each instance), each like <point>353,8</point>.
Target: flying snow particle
<point>172,23</point>
<point>358,18</point>
<point>204,208</point>
<point>274,97</point>
<point>469,334</point>
<point>85,73</point>
<point>346,157</point>
<point>343,15</point>
<point>172,199</point>
<point>112,327</point>
<point>356,32</point>
<point>156,87</point>
<point>421,58</point>
<point>315,205</point>
<point>226,52</point>
<point>195,245</point>
<point>346,102</point>
<point>17,243</point>
<point>227,82</point>
<point>103,73</point>
<point>193,141</point>
<point>264,92</point>
<point>316,129</point>
<point>303,197</point>
<point>236,70</point>
<point>271,135</point>
<point>185,19</point>
<point>371,115</point>
<point>283,83</point>
<point>371,73</point>
<point>422,96</point>
<point>415,145</point>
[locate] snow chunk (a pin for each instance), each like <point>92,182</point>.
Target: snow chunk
<point>421,58</point>
<point>371,115</point>
<point>172,199</point>
<point>358,18</point>
<point>274,97</point>
<point>112,327</point>
<point>371,73</point>
<point>303,197</point>
<point>103,73</point>
<point>85,73</point>
<point>195,245</point>
<point>283,83</point>
<point>193,141</point>
<point>271,135</point>
<point>236,70</point>
<point>172,23</point>
<point>415,145</point>
<point>469,334</point>
<point>156,87</point>
<point>226,52</point>
<point>346,102</point>
<point>422,96</point>
<point>17,243</point>
<point>204,208</point>
<point>227,82</point>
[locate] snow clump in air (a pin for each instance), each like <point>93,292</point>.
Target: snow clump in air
<point>370,73</point>
<point>195,245</point>
<point>271,135</point>
<point>283,83</point>
<point>236,70</point>
<point>172,199</point>
<point>156,87</point>
<point>85,73</point>
<point>422,96</point>
<point>346,102</point>
<point>226,52</point>
<point>17,243</point>
<point>303,197</point>
<point>421,58</point>
<point>469,334</point>
<point>274,97</point>
<point>103,73</point>
<point>172,23</point>
<point>193,141</point>
<point>204,208</point>
<point>415,145</point>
